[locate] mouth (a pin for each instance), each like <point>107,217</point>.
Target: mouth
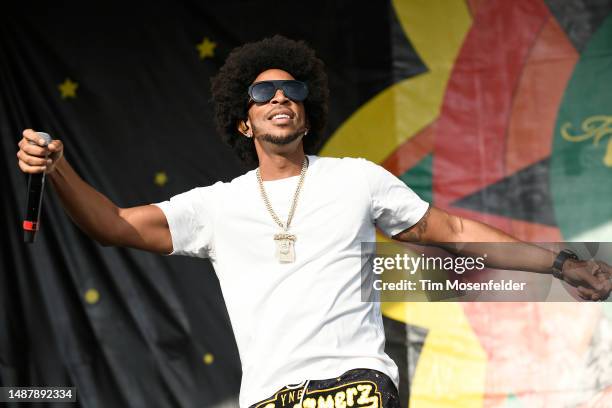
<point>281,117</point>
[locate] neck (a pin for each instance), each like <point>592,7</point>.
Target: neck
<point>279,165</point>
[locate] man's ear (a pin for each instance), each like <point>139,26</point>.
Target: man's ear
<point>244,128</point>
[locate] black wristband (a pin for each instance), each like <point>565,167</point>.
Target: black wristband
<point>557,268</point>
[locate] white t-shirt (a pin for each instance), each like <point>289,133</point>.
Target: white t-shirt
<point>301,320</point>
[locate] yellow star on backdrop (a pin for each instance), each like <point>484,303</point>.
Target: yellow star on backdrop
<point>206,48</point>
<point>161,178</point>
<point>208,358</point>
<point>68,88</point>
<point>92,296</point>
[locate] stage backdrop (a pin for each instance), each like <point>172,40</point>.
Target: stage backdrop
<point>497,110</point>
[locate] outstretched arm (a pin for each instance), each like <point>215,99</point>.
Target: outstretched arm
<point>441,228</point>
<point>143,227</point>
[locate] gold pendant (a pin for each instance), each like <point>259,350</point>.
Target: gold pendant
<point>285,252</point>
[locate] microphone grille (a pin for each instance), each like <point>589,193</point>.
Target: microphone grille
<point>45,136</point>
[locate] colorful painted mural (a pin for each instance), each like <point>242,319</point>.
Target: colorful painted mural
<point>511,124</point>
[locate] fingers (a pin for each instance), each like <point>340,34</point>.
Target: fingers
<point>36,158</point>
<point>26,168</point>
<point>605,268</point>
<point>33,144</point>
<point>592,283</point>
<point>585,294</point>
<point>587,275</point>
<point>31,149</point>
<point>606,282</point>
<point>34,137</point>
<point>603,273</point>
<point>55,146</point>
<point>32,160</point>
<point>590,294</point>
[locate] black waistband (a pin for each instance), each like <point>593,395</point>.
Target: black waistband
<point>357,388</point>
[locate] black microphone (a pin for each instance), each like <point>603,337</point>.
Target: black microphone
<point>36,188</point>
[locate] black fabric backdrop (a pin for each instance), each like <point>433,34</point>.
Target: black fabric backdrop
<point>142,107</point>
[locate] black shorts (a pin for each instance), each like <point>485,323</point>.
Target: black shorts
<point>359,388</point>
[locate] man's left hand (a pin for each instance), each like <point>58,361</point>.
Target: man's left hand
<point>593,279</point>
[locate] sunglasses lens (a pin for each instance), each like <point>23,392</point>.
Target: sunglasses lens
<point>263,91</point>
<point>295,90</point>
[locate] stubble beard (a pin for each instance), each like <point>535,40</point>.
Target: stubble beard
<point>278,140</point>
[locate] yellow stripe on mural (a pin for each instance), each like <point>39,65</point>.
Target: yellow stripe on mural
<point>451,371</point>
<point>452,365</point>
<point>436,29</point>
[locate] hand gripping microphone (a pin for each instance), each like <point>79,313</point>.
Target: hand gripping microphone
<point>36,187</point>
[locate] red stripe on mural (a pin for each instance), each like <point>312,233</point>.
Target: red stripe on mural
<point>540,91</point>
<point>534,113</point>
<point>470,135</point>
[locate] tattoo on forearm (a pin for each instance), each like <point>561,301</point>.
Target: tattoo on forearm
<point>415,233</point>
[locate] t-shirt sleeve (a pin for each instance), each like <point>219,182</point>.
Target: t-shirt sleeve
<point>394,206</point>
<point>190,219</point>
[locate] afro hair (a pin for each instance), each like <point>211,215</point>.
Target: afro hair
<point>243,65</point>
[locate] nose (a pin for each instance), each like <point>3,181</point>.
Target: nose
<point>279,97</point>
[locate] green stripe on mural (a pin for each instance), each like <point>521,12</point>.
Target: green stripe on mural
<point>419,178</point>
<point>581,162</point>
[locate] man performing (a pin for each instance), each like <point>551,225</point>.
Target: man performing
<point>285,239</point>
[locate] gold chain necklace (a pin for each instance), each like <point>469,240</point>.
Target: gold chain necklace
<point>285,251</point>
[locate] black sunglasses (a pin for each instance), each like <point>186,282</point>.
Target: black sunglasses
<point>263,91</point>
